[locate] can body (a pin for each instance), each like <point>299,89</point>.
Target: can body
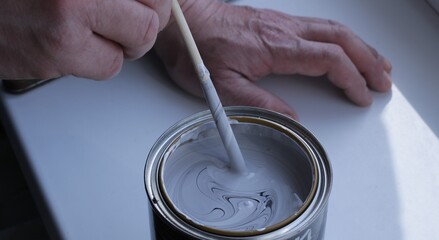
<point>309,165</point>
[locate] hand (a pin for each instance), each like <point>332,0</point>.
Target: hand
<point>240,45</point>
<point>44,39</point>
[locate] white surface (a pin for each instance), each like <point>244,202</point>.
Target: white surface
<point>86,142</point>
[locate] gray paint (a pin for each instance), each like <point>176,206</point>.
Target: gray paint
<point>202,186</point>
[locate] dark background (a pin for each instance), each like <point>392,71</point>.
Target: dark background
<point>19,216</point>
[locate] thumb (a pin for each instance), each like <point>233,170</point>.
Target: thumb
<point>240,91</point>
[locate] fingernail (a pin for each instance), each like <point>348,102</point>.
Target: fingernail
<point>387,80</point>
<point>387,65</point>
<point>369,98</point>
<point>366,98</point>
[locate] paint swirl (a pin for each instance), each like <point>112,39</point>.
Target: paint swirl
<point>201,186</point>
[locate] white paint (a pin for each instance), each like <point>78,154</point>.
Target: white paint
<point>201,186</point>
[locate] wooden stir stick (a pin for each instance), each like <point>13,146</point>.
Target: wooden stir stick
<point>237,163</point>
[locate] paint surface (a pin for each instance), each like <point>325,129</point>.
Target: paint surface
<point>201,186</point>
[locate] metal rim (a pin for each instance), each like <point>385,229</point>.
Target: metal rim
<point>156,190</point>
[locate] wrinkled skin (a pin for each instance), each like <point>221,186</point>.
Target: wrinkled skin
<point>41,39</point>
<point>240,45</point>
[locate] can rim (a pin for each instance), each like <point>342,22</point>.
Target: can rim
<point>165,208</point>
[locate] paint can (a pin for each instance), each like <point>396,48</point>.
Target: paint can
<point>307,163</point>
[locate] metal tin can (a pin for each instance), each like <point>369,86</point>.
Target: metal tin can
<point>310,162</point>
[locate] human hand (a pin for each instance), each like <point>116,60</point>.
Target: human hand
<point>240,45</point>
<point>45,39</point>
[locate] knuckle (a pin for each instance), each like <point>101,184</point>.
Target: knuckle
<point>333,54</point>
<point>143,38</point>
<point>113,69</point>
<point>154,4</point>
<point>60,36</point>
<point>149,34</point>
<point>341,31</point>
<point>103,69</point>
<point>375,53</point>
<point>340,68</point>
<point>160,8</point>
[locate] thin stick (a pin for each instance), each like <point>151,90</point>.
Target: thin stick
<point>237,163</point>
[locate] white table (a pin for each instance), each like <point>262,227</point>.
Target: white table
<point>84,143</point>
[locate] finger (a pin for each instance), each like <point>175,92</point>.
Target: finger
<point>250,94</point>
<point>317,59</point>
<point>100,59</point>
<point>387,65</point>
<point>162,8</point>
<point>366,59</point>
<point>129,23</point>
